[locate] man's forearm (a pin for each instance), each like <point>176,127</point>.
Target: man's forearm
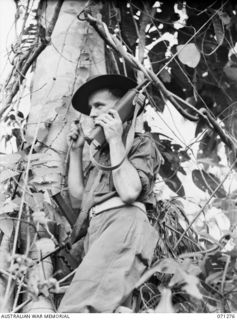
<point>75,175</point>
<point>126,179</point>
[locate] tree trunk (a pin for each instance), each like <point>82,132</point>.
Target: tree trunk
<point>75,53</point>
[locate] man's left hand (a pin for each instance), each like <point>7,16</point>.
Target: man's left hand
<point>112,125</point>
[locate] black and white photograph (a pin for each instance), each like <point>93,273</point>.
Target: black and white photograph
<point>118,167</point>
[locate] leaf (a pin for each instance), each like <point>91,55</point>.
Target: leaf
<point>191,268</point>
<point>47,197</point>
<point>46,180</point>
<point>225,18</point>
<point>45,245</point>
<point>29,139</point>
<point>200,125</point>
<point>172,180</point>
<point>42,134</point>
<point>128,29</point>
<point>214,277</point>
<point>44,171</point>
<point>207,182</point>
<point>231,72</point>
<point>156,97</point>
<point>61,110</point>
<point>30,201</point>
<point>39,217</point>
<point>213,263</point>
<point>16,201</point>
<point>208,161</point>
<point>189,54</point>
<point>9,207</point>
<point>165,76</point>
<point>42,157</point>
<point>165,305</point>
<point>52,186</point>
<point>38,199</point>
<point>6,226</point>
<point>191,286</point>
<point>165,266</point>
<point>190,282</point>
<point>2,198</point>
<point>7,174</point>
<point>219,31</point>
<point>10,158</point>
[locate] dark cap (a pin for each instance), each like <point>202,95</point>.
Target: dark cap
<point>105,81</point>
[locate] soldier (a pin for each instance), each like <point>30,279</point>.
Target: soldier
<point>120,242</point>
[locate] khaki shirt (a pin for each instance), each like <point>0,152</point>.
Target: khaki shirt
<point>144,156</point>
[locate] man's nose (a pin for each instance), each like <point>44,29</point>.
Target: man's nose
<point>94,113</point>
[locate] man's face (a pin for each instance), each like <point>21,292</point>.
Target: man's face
<point>100,102</point>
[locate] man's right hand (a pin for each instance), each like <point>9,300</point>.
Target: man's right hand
<point>76,137</point>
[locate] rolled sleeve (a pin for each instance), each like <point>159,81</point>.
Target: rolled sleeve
<point>146,158</point>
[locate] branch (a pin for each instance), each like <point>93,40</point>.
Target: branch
<point>53,21</point>
<point>32,57</point>
<point>224,137</point>
<point>205,205</point>
<point>115,44</point>
<point>17,227</point>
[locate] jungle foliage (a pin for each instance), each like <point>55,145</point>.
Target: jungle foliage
<point>187,51</point>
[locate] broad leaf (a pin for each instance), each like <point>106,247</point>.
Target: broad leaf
<point>61,110</point>
<point>207,182</point>
<point>168,266</point>
<point>7,174</point>
<point>213,263</point>
<point>44,171</point>
<point>214,277</point>
<point>219,31</point>
<point>172,180</point>
<point>41,157</point>
<point>45,245</point>
<point>39,199</point>
<point>42,134</point>
<point>231,72</point>
<point>29,200</point>
<point>6,225</point>
<point>39,217</point>
<point>44,180</point>
<point>154,93</point>
<point>191,286</point>
<point>9,159</point>
<point>228,207</point>
<point>225,18</point>
<point>189,54</point>
<point>2,198</point>
<point>165,76</point>
<point>189,282</point>
<point>10,206</point>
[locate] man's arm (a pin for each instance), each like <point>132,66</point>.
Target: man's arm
<point>126,179</point>
<point>75,172</point>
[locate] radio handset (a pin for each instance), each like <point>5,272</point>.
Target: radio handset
<point>125,109</point>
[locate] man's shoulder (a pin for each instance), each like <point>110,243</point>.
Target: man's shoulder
<point>145,137</point>
<point>144,143</point>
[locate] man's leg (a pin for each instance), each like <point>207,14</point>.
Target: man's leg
<point>121,245</point>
